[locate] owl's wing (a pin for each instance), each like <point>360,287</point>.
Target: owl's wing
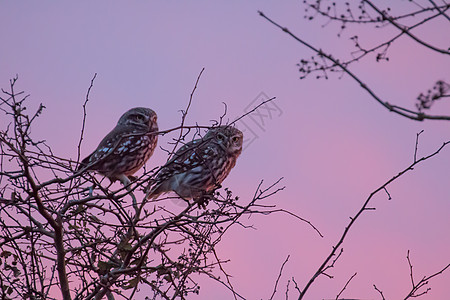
<point>121,140</point>
<point>189,156</point>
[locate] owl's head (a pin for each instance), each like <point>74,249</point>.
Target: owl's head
<point>228,137</point>
<point>140,117</point>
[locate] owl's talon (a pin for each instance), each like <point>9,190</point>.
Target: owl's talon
<point>132,178</point>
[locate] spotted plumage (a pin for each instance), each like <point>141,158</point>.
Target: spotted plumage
<point>127,147</point>
<point>200,166</point>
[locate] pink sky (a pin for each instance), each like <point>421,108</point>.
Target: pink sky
<point>332,143</point>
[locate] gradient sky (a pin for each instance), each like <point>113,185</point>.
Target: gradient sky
<point>329,140</point>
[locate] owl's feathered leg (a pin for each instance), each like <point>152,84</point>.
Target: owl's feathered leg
<point>91,190</point>
<point>126,182</point>
<point>109,295</point>
<point>153,191</point>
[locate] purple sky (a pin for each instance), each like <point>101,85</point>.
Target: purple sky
<point>330,141</point>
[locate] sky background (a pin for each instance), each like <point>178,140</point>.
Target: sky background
<point>330,141</point>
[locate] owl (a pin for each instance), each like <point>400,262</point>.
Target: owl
<point>127,147</point>
<point>200,166</point>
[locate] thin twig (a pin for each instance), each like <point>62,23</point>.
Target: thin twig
<point>417,144</point>
<point>416,287</point>
<point>379,291</point>
<point>84,117</point>
<point>184,114</point>
<point>278,278</point>
<point>345,286</point>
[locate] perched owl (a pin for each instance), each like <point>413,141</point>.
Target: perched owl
<point>127,147</point>
<point>200,166</point>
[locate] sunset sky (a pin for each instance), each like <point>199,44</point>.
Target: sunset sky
<point>329,140</point>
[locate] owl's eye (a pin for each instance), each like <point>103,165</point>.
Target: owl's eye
<point>235,139</point>
<point>220,137</point>
<point>139,118</point>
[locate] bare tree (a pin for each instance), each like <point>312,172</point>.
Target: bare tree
<point>73,235</point>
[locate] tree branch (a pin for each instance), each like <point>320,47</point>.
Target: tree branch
<point>416,116</point>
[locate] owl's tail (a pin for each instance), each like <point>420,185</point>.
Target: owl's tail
<point>83,164</point>
<point>153,190</point>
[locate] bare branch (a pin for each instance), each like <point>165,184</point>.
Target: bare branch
<point>417,116</point>
<point>84,117</point>
<point>325,265</point>
<point>278,278</point>
<point>405,30</point>
<point>416,287</point>
<point>416,146</point>
<point>379,291</point>
<point>345,286</point>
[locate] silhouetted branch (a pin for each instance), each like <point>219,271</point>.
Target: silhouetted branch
<point>439,91</point>
<point>84,117</point>
<point>278,278</point>
<point>417,116</point>
<point>416,287</point>
<point>405,29</point>
<point>329,262</point>
<point>345,286</point>
<point>184,113</point>
<point>379,291</point>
